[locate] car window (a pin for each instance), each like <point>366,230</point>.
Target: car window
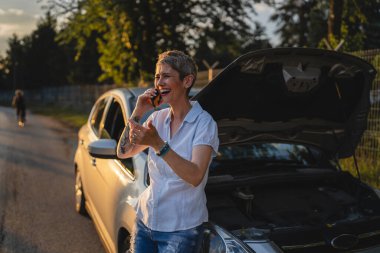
<point>97,115</point>
<point>114,124</point>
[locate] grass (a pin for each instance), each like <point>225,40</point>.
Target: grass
<point>66,115</point>
<point>369,169</point>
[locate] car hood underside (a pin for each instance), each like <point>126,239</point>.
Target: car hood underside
<point>298,95</point>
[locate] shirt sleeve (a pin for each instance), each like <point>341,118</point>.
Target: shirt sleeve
<point>207,134</point>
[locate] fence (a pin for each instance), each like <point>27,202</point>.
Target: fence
<point>370,143</point>
<point>81,98</point>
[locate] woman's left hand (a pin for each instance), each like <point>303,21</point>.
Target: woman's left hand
<point>141,135</point>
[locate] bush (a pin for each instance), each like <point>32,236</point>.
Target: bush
<point>368,168</point>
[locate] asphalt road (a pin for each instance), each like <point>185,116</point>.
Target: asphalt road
<point>37,212</point>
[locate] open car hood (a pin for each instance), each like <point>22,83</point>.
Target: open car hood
<point>298,95</point>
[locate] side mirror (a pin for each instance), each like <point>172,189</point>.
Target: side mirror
<point>103,148</point>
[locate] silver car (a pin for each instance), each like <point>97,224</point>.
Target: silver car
<point>285,117</point>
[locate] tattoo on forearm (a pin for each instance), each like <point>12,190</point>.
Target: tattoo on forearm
<point>125,145</point>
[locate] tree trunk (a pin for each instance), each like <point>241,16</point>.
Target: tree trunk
<point>334,21</point>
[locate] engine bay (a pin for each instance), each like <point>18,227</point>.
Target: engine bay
<point>291,208</point>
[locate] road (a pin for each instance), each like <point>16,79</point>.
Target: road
<point>37,212</point>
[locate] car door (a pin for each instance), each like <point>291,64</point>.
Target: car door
<point>113,175</point>
<point>86,136</point>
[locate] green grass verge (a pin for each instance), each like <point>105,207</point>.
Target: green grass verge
<point>68,116</point>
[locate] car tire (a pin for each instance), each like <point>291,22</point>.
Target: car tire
<point>80,200</point>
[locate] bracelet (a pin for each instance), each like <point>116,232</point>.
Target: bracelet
<point>164,150</point>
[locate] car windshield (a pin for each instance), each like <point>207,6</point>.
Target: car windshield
<point>268,155</point>
<point>266,151</point>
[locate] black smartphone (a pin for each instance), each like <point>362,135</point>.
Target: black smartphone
<point>156,100</point>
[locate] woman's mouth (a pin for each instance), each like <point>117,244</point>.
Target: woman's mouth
<point>164,92</point>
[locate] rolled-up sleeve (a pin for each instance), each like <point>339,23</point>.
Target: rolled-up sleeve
<point>207,134</point>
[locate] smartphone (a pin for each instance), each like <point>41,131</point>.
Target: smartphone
<point>156,100</point>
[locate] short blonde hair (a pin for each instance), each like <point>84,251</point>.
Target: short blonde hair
<point>181,62</point>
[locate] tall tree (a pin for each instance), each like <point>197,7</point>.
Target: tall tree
<point>294,19</point>
<point>219,45</point>
<point>84,69</point>
<point>334,21</point>
<point>3,73</point>
<point>36,59</point>
<point>372,26</point>
<point>313,23</point>
<point>15,61</point>
<point>45,59</point>
<point>354,22</point>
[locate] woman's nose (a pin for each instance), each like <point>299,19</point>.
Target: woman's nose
<point>159,82</point>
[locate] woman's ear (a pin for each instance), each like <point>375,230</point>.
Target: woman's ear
<point>188,81</point>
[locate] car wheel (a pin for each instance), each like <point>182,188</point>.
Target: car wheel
<point>80,200</point>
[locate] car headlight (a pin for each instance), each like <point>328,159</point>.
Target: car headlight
<point>231,243</point>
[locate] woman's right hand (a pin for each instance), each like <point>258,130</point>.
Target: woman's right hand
<point>144,103</point>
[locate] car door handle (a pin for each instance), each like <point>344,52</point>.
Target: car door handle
<point>93,162</point>
<point>81,141</point>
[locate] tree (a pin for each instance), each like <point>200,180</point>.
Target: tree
<point>36,59</point>
<point>15,62</point>
<point>130,34</point>
<point>219,45</point>
<point>294,18</point>
<point>85,69</point>
<point>4,82</point>
<point>371,28</point>
<point>312,23</point>
<point>334,20</point>
<point>46,61</point>
<point>355,23</point>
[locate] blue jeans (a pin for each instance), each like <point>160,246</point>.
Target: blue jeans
<point>145,240</point>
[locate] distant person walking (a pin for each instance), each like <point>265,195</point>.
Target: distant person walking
<point>18,101</point>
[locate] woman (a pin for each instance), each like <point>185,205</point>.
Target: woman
<point>181,139</point>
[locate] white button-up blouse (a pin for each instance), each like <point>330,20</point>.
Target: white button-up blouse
<point>170,203</point>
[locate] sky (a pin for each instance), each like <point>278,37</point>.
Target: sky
<point>17,17</point>
<point>21,16</point>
